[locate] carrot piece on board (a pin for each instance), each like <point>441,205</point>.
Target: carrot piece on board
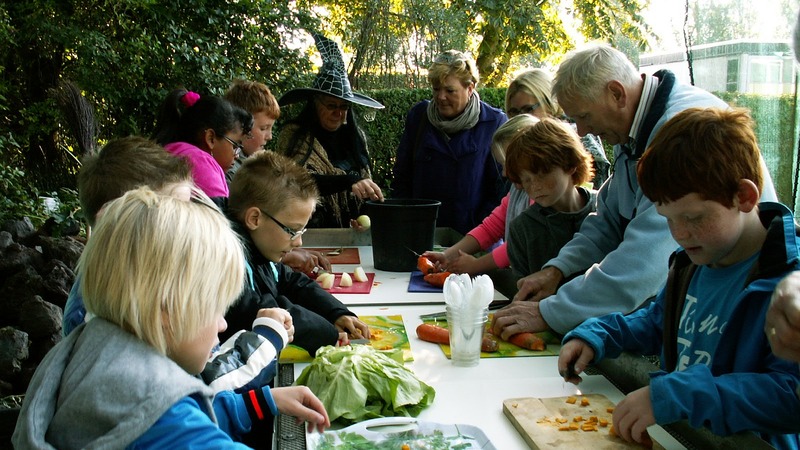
<point>433,333</point>
<point>436,279</point>
<point>439,335</point>
<point>528,341</point>
<point>425,265</point>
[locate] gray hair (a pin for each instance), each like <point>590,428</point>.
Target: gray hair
<point>585,73</point>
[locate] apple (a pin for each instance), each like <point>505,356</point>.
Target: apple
<point>364,222</point>
<point>359,275</point>
<point>346,281</point>
<point>326,280</point>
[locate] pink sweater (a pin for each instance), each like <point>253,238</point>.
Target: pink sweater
<point>206,172</point>
<point>491,230</point>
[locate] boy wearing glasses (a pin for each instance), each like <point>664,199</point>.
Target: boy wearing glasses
<point>271,201</point>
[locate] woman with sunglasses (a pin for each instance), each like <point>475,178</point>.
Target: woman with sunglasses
<point>207,131</point>
<point>445,152</point>
<point>326,140</point>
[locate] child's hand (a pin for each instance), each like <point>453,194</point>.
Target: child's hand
<point>633,415</point>
<point>438,258</point>
<point>280,315</point>
<point>463,263</point>
<point>782,323</point>
<point>353,326</point>
<point>574,357</point>
<point>305,261</point>
<point>300,402</point>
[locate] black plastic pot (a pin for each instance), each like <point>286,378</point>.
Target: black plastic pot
<point>400,228</point>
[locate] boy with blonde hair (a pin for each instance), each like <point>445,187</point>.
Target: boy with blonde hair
<point>127,378</point>
<point>703,172</point>
<point>272,199</point>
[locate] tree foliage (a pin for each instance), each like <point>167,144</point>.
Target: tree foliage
<point>126,55</point>
<point>497,32</point>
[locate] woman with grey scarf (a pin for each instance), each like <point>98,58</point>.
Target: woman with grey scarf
<point>445,152</point>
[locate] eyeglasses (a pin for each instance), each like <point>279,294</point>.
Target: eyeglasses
<point>526,109</point>
<point>237,147</point>
<point>292,233</point>
<point>333,107</point>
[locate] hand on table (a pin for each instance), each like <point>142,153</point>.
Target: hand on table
<point>300,402</point>
<point>574,357</point>
<point>305,261</point>
<point>282,316</point>
<point>516,318</point>
<point>353,326</point>
<point>366,189</point>
<point>782,322</point>
<point>539,285</point>
<point>633,415</point>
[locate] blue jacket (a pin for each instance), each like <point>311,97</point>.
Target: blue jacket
<point>746,388</point>
<point>459,171</point>
<point>607,252</point>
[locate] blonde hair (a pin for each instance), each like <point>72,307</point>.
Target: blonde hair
<point>453,62</point>
<point>536,83</point>
<point>505,134</point>
<point>269,181</point>
<point>585,73</point>
<point>161,268</point>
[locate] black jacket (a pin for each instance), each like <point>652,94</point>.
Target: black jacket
<point>313,309</point>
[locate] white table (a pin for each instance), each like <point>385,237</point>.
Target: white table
<point>470,395</point>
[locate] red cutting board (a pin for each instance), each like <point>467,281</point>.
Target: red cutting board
<point>358,287</point>
<point>348,255</point>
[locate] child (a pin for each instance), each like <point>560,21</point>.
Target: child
<point>703,173</point>
<point>151,276</point>
<point>257,99</point>
<point>272,199</point>
<point>458,258</point>
<point>121,165</point>
<point>550,163</point>
<point>207,131</point>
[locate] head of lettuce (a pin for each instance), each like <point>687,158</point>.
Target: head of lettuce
<point>356,383</point>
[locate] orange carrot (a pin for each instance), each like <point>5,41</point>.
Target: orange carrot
<point>436,279</point>
<point>528,341</point>
<point>439,335</point>
<point>425,265</point>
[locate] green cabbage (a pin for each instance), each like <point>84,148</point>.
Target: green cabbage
<point>357,383</point>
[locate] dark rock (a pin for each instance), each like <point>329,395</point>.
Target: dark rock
<point>5,240</point>
<point>17,289</point>
<point>19,229</point>
<point>67,250</point>
<point>17,256</point>
<point>14,347</point>
<point>57,283</point>
<point>40,319</point>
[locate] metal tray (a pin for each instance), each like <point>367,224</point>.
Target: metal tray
<point>395,431</point>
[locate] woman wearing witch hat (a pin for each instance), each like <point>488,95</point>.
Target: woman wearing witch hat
<point>326,140</point>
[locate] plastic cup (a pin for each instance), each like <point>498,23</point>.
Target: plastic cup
<point>466,334</point>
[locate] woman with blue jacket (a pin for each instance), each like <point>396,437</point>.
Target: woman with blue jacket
<point>445,152</point>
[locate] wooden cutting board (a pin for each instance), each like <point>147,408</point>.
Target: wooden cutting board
<point>536,420</point>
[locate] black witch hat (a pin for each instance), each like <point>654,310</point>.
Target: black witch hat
<point>331,79</point>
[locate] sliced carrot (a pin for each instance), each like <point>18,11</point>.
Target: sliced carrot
<point>528,341</point>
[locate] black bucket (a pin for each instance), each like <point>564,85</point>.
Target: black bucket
<point>400,228</point>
